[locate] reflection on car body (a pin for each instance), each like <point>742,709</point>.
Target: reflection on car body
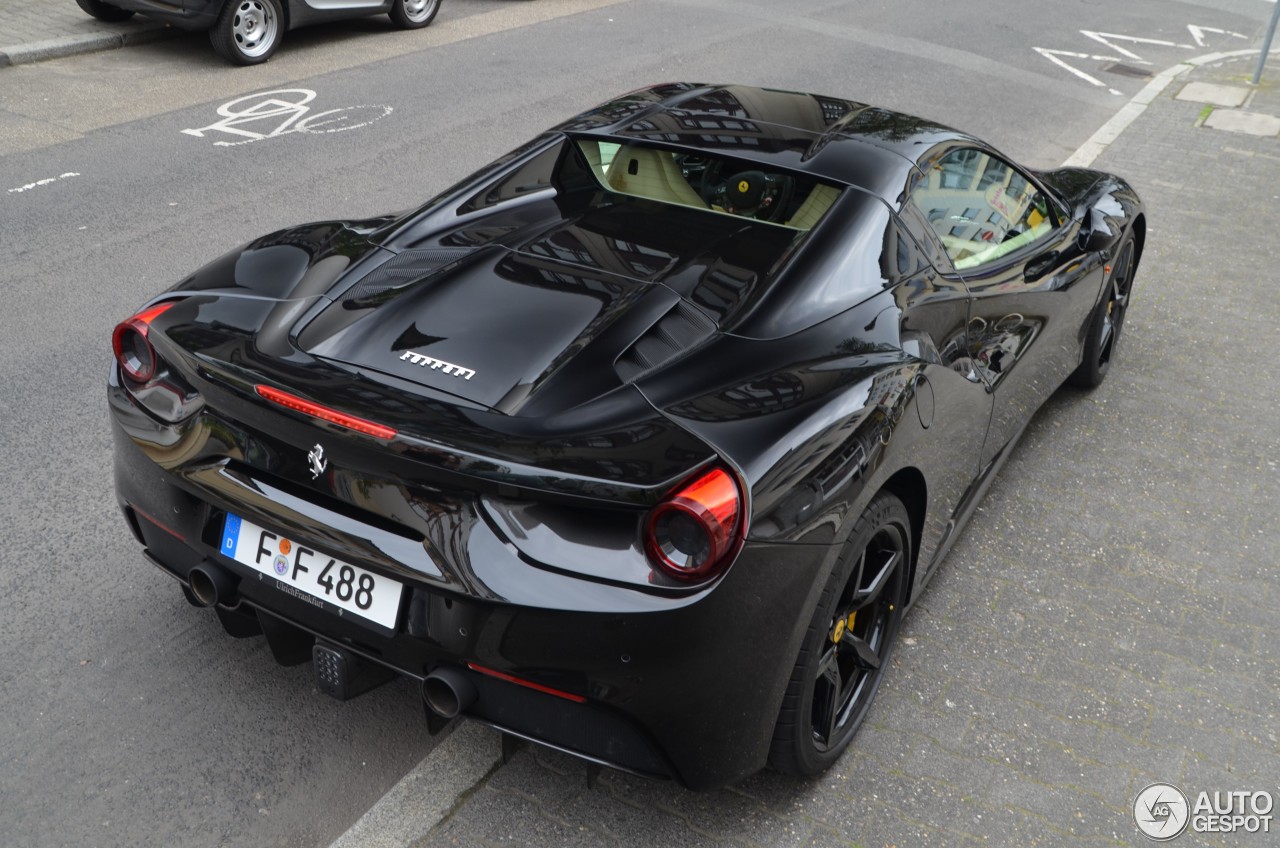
<point>710,448</point>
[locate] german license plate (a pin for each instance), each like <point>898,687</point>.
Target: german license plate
<point>309,575</point>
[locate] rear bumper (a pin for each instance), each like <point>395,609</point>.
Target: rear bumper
<point>677,686</point>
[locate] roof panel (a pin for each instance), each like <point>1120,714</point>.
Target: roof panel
<point>831,138</point>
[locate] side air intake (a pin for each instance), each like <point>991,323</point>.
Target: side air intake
<point>674,333</point>
<point>399,272</point>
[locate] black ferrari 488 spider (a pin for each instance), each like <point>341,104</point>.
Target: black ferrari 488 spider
<point>637,443</point>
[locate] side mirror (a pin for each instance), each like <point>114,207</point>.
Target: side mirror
<point>1096,235</point>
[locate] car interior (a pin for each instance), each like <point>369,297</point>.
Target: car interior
<point>717,184</point>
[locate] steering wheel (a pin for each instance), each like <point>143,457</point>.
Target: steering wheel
<point>751,194</point>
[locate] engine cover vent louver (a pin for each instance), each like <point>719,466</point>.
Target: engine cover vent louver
<point>674,333</point>
<point>399,272</point>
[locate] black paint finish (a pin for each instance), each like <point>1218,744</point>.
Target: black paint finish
<point>556,358</point>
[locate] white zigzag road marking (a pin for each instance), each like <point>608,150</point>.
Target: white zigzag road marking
<point>1102,38</point>
<point>1198,33</point>
<point>1054,57</point>
<point>1059,57</point>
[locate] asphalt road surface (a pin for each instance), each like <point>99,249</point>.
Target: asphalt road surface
<point>127,717</point>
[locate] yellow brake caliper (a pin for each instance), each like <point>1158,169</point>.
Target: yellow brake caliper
<point>842,624</point>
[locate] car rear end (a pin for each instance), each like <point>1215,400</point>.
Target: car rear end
<point>582,585</point>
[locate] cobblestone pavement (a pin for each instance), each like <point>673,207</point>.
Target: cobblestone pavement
<point>1109,618</point>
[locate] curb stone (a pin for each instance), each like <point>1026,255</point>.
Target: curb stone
<point>1111,130</point>
<point>72,45</point>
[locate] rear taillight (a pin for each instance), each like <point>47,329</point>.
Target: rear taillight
<point>133,351</point>
<point>696,529</point>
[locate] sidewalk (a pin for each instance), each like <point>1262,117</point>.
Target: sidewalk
<point>34,30</point>
<point>1081,642</point>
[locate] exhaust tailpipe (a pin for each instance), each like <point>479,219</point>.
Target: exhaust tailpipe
<point>210,584</point>
<point>448,692</point>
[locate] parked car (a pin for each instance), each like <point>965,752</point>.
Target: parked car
<point>637,443</point>
<point>247,32</point>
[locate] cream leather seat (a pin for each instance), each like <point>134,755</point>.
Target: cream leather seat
<point>814,207</point>
<point>650,173</point>
<point>591,150</point>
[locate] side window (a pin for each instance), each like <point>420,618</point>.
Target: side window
<point>981,207</point>
<point>901,257</point>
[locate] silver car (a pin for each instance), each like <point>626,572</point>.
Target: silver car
<point>247,32</point>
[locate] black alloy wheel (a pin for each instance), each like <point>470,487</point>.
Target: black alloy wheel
<point>849,642</point>
<point>104,11</point>
<point>1104,330</point>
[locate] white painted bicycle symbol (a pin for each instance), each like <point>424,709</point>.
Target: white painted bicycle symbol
<point>270,114</point>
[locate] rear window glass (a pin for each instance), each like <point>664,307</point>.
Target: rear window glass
<point>714,183</point>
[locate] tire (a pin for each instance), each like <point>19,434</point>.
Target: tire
<point>1103,338</point>
<point>841,666</point>
<point>104,11</point>
<point>248,31</point>
<point>414,14</point>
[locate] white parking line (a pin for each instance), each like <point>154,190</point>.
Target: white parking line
<point>44,182</point>
<point>426,795</point>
